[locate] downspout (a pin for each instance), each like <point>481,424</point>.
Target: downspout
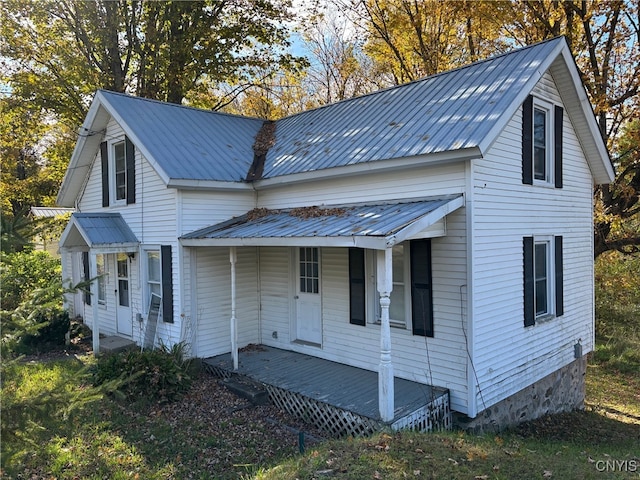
<point>234,323</point>
<point>385,372</point>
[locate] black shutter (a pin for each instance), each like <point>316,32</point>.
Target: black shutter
<point>356,287</point>
<point>104,159</point>
<point>167,284</point>
<point>557,125</point>
<point>527,141</point>
<point>421,293</point>
<point>559,277</point>
<point>130,158</point>
<point>87,287</point>
<point>529,282</point>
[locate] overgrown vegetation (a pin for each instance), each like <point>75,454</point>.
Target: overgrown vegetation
<point>161,375</point>
<point>55,424</point>
<point>618,312</point>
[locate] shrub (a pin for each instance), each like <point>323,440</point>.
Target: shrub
<point>23,272</point>
<point>618,311</point>
<point>160,375</point>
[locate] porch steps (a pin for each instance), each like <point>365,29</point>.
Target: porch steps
<point>115,344</point>
<point>246,388</point>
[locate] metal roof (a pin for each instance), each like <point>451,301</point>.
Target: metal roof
<point>188,143</point>
<point>453,110</point>
<point>107,231</point>
<point>460,112</point>
<point>376,225</point>
<point>50,212</point>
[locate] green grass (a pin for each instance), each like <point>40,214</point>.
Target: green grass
<point>110,439</point>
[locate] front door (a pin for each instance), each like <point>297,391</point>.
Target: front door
<point>124,323</point>
<point>309,308</point>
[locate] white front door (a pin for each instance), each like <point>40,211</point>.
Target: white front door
<point>124,323</point>
<point>308,304</point>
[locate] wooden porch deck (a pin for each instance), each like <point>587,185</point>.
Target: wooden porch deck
<point>337,398</point>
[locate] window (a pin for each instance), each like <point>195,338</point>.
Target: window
<point>411,297</point>
<point>543,278</point>
<point>541,143</point>
<point>309,271</point>
<point>357,287</point>
<point>102,279</point>
<point>159,278</point>
<point>153,273</point>
<point>540,273</point>
<point>118,172</point>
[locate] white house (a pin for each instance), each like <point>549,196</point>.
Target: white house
<point>438,231</point>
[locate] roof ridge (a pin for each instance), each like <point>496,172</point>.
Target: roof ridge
<point>176,105</point>
<point>428,77</point>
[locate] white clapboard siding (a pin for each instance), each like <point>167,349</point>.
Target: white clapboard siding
<point>213,299</point>
<point>412,183</point>
<point>275,298</point>
<point>153,220</point>
<point>509,357</point>
<point>201,209</point>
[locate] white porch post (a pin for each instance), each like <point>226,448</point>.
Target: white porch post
<point>234,323</point>
<point>93,288</point>
<point>385,372</point>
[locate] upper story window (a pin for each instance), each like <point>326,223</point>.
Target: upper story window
<point>118,173</point>
<point>541,143</point>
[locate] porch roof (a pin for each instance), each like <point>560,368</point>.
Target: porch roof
<point>100,232</point>
<point>365,225</point>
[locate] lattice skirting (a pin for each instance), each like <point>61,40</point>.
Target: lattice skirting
<point>337,422</point>
<point>332,420</point>
<point>216,371</point>
<point>434,416</point>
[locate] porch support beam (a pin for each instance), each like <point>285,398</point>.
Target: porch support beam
<point>385,372</point>
<point>93,290</point>
<point>233,257</point>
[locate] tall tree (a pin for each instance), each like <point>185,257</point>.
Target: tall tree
<point>415,38</point>
<point>56,53</point>
<point>339,68</point>
<point>605,40</point>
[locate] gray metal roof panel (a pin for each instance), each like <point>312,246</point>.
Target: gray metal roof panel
<point>381,220</point>
<point>449,111</point>
<point>104,228</point>
<point>189,143</point>
<point>50,212</point>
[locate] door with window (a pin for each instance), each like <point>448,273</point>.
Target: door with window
<point>124,322</point>
<point>308,300</point>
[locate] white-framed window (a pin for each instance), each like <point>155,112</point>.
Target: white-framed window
<point>399,309</point>
<point>411,296</point>
<point>118,172</point>
<point>542,143</point>
<point>102,272</point>
<point>543,278</point>
<point>153,274</point>
<point>157,278</point>
<point>119,175</point>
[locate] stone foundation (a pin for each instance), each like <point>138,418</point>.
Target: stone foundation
<point>562,391</point>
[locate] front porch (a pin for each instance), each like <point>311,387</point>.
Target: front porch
<point>337,398</point>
